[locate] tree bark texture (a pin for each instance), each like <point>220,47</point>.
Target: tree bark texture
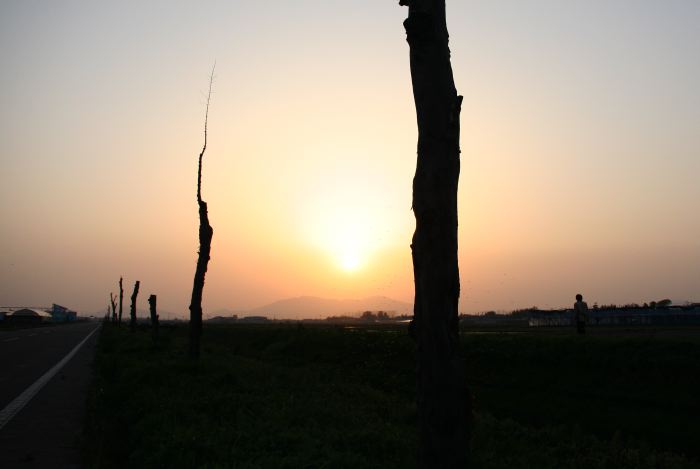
<point>113,302</point>
<point>132,322</point>
<point>154,316</point>
<point>121,300</point>
<point>444,403</point>
<point>206,233</point>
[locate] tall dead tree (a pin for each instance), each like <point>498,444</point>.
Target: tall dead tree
<point>205,234</point>
<point>113,302</point>
<point>443,400</point>
<point>154,316</point>
<point>132,322</point>
<point>121,300</point>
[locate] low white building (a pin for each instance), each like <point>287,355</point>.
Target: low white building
<point>28,315</point>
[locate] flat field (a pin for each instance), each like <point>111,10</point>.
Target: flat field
<point>313,396</point>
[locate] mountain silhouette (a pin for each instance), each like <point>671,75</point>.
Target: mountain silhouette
<point>313,307</point>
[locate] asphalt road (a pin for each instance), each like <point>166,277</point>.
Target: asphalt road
<point>46,432</point>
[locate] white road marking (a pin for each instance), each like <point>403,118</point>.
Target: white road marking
<point>11,339</point>
<point>20,401</point>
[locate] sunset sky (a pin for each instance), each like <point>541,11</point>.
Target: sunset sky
<point>580,150</point>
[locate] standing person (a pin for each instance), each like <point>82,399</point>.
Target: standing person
<point>580,314</point>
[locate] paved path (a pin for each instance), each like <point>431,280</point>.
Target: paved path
<point>46,432</point>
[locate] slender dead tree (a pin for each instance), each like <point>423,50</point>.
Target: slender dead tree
<point>113,302</point>
<point>132,322</point>
<point>121,300</point>
<point>444,404</point>
<point>205,234</point>
<point>154,317</point>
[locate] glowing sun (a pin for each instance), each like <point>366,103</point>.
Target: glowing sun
<point>349,260</point>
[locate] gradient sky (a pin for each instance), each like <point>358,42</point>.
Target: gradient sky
<point>580,150</point>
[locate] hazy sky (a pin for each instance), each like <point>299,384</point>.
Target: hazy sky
<point>580,150</point>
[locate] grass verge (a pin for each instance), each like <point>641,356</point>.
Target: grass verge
<point>312,397</point>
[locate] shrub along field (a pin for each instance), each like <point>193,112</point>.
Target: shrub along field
<point>292,396</point>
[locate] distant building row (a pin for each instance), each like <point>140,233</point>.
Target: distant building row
<point>56,313</point>
<point>622,316</point>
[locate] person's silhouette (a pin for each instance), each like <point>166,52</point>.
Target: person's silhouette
<point>580,314</point>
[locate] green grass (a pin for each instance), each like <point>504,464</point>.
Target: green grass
<point>283,396</point>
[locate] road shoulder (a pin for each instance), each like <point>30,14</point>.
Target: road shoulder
<point>47,433</point>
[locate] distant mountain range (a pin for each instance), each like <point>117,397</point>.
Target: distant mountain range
<point>313,307</point>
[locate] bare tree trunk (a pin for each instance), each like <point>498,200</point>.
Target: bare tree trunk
<point>121,300</point>
<point>154,317</point>
<point>132,322</point>
<point>113,301</point>
<point>444,404</point>
<point>205,234</point>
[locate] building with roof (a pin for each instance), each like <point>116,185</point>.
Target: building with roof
<point>62,314</point>
<point>28,315</point>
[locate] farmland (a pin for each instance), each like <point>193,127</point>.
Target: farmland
<point>291,395</point>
